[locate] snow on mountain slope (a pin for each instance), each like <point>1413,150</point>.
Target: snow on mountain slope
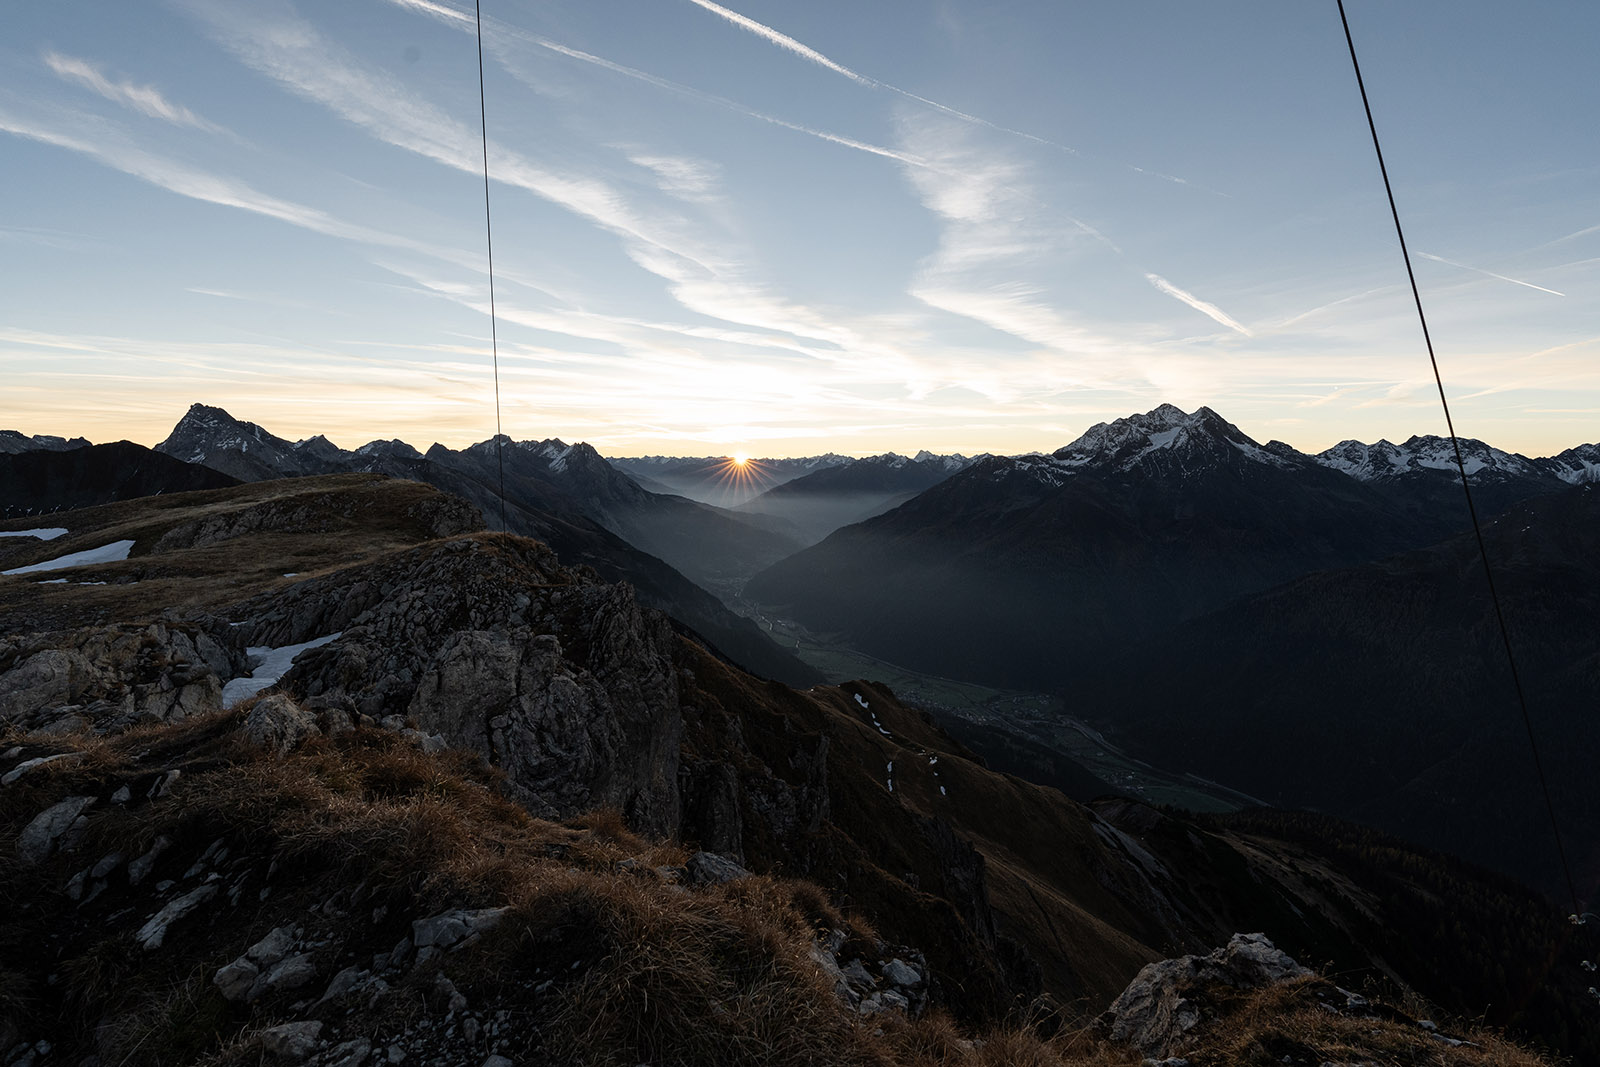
<point>1380,461</point>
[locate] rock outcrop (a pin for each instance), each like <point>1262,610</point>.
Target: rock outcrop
<point>1159,1008</point>
<point>112,677</point>
<point>562,681</point>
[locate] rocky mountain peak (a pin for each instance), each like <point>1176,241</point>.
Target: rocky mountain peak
<point>1383,461</point>
<point>1132,441</point>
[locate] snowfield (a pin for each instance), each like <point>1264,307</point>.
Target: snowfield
<point>115,552</point>
<point>275,663</point>
<point>44,533</point>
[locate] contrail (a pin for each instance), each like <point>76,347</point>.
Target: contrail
<point>1490,273</point>
<point>465,22</point>
<point>784,41</point>
<point>1207,309</point>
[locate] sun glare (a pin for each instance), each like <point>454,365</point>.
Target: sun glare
<point>741,477</point>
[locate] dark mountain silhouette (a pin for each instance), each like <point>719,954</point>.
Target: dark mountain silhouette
<point>711,546</point>
<point>38,481</point>
<point>1381,692</point>
<point>12,442</point>
<point>1022,570</point>
<point>819,503</point>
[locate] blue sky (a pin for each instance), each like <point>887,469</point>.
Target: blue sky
<point>793,228</point>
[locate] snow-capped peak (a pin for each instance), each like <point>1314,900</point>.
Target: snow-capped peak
<point>1382,460</point>
<point>1127,442</point>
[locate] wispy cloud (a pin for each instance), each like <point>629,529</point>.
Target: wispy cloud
<point>145,99</point>
<point>1488,273</point>
<point>104,144</point>
<point>1205,308</point>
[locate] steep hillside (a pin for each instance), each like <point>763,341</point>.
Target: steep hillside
<point>1394,673</point>
<point>1023,571</point>
<point>404,637</point>
<point>42,480</point>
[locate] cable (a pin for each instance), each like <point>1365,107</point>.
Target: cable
<point>488,232</point>
<point>1461,467</point>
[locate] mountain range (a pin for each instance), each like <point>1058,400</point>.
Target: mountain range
<point>1022,570</point>
<point>1239,610</point>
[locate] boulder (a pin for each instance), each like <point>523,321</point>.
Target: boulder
<point>51,829</point>
<point>279,724</point>
<point>1154,1013</point>
<point>292,1042</point>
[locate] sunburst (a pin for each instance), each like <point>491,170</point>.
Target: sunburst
<point>741,476</point>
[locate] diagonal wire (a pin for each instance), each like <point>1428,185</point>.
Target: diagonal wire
<point>488,232</point>
<point>1466,488</point>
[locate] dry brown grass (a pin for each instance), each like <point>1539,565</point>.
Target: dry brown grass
<point>640,969</point>
<point>1265,1026</point>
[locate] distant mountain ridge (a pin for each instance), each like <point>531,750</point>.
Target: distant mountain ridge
<point>1017,569</point>
<point>719,480</point>
<point>816,504</point>
<point>12,442</point>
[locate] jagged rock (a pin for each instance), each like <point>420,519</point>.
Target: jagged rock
<point>50,830</point>
<point>708,868</point>
<point>279,724</point>
<point>343,982</point>
<point>154,933</point>
<point>292,1042</point>
<point>294,972</point>
<point>898,972</point>
<point>50,677</point>
<point>348,1054</point>
<point>38,761</point>
<point>563,682</point>
<point>140,868</point>
<point>235,979</point>
<point>118,675</point>
<point>1153,1013</point>
<point>454,928</point>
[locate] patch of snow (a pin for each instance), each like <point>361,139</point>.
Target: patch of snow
<point>860,701</point>
<point>44,533</point>
<point>291,574</point>
<point>274,664</point>
<point>112,553</point>
<point>52,581</point>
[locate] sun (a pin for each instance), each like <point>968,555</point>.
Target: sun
<point>741,460</point>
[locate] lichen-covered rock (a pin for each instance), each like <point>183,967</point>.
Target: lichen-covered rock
<point>116,676</point>
<point>1155,1012</point>
<point>279,724</point>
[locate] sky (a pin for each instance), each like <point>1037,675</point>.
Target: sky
<point>786,229</point>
